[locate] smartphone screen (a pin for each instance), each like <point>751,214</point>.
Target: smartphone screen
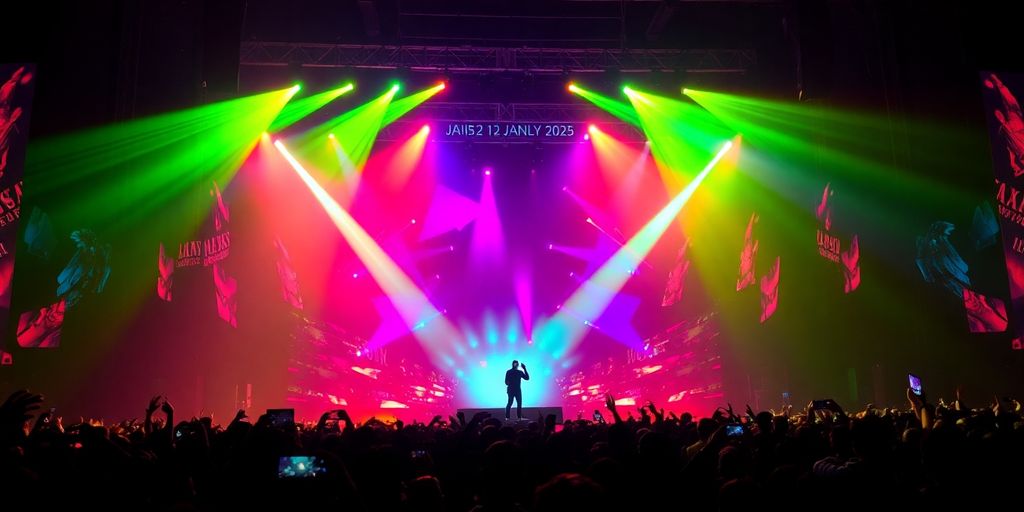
<point>300,466</point>
<point>734,430</point>
<point>281,417</point>
<point>915,383</point>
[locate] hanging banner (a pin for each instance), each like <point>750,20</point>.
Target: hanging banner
<point>1006,134</point>
<point>16,87</point>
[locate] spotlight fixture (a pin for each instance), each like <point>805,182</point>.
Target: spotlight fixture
<point>330,135</point>
<point>572,88</point>
<point>592,128</point>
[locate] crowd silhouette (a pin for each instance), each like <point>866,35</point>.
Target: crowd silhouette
<point>939,456</point>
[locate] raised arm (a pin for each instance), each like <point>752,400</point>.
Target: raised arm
<point>526,374</point>
<point>609,402</point>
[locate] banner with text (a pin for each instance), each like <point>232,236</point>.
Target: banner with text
<point>1006,132</point>
<point>16,87</point>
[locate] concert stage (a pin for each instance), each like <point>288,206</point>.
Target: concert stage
<point>346,217</point>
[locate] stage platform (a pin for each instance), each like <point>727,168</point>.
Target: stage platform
<point>529,413</point>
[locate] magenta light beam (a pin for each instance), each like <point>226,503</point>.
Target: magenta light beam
<point>563,331</point>
<point>420,316</point>
<point>488,242</point>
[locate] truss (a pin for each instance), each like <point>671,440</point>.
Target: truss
<point>473,59</point>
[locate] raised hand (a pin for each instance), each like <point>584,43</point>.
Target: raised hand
<point>167,408</point>
<point>609,402</point>
<point>835,408</point>
<point>19,408</point>
<point>322,422</point>
<point>917,402</point>
<point>154,404</point>
<point>42,422</point>
<point>644,417</point>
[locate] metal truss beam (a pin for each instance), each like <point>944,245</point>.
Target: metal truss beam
<point>472,59</point>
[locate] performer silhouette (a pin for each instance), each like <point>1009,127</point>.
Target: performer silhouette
<point>513,378</point>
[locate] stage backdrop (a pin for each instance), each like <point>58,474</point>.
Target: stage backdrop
<point>16,81</point>
<point>1006,129</point>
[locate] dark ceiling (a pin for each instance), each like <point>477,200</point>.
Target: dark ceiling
<point>516,23</point>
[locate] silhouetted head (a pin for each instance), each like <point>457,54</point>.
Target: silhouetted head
<point>515,364</point>
<point>706,427</point>
<point>569,490</point>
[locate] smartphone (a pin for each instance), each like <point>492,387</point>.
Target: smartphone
<point>300,466</point>
<point>419,454</point>
<point>51,416</point>
<point>281,417</point>
<point>735,430</point>
<point>598,417</point>
<point>821,404</point>
<point>915,383</point>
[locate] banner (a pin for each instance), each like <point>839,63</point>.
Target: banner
<point>830,246</point>
<point>1006,134</point>
<point>16,87</point>
<point>210,249</point>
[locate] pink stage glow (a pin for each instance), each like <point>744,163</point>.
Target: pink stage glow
<point>523,284</point>
<point>448,211</point>
<point>419,315</point>
<point>564,331</point>
<point>488,243</point>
